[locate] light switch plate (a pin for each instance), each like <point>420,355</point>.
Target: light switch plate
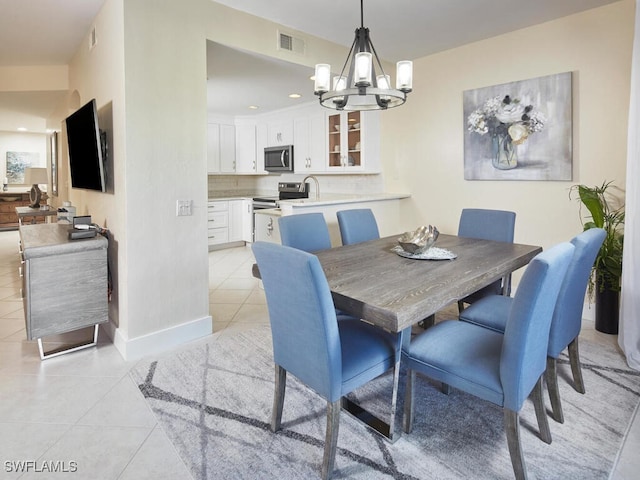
<point>183,208</point>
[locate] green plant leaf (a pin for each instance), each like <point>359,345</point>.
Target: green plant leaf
<point>607,267</point>
<point>590,197</point>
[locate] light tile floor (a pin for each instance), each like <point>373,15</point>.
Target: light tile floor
<point>83,411</point>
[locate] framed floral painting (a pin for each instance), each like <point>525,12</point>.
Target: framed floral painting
<point>519,130</point>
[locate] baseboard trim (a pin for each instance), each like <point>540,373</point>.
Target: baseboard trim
<point>156,342</point>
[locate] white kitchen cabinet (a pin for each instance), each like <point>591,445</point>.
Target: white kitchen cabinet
<point>247,220</point>
<point>218,222</point>
<point>213,148</point>
<point>227,148</point>
<point>262,142</point>
<point>240,220</point>
<point>280,132</point>
<point>266,228</point>
<point>221,148</point>
<point>229,221</point>
<point>309,143</point>
<point>353,142</point>
<point>245,140</point>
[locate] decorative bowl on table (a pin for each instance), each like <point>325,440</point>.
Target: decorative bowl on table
<point>420,240</point>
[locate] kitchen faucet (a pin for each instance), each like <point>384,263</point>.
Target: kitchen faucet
<point>304,183</point>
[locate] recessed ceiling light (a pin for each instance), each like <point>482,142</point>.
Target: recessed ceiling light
<point>295,95</point>
<point>22,129</point>
<point>253,107</point>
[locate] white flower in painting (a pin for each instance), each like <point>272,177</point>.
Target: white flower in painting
<point>518,133</point>
<point>510,111</point>
<point>476,122</point>
<point>508,117</point>
<point>536,121</point>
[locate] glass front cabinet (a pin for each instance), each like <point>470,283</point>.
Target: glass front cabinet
<point>354,141</point>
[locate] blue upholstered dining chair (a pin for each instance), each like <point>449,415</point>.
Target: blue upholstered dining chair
<point>493,311</point>
<point>501,368</point>
<point>332,358</point>
<point>497,225</point>
<point>307,231</point>
<point>357,225</point>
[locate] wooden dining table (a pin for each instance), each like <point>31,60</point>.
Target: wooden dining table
<point>370,281</point>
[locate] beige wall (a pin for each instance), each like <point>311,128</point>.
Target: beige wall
<point>99,73</point>
<point>423,140</point>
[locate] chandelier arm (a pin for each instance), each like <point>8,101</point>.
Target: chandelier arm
<point>353,46</point>
<point>375,54</point>
<point>381,103</point>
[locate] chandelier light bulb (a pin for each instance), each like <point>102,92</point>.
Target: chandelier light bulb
<point>404,75</point>
<point>384,83</point>
<point>362,74</point>
<point>339,83</point>
<point>322,77</point>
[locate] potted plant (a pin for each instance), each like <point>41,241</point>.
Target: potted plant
<point>606,211</point>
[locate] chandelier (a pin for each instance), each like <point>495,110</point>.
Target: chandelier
<point>365,86</point>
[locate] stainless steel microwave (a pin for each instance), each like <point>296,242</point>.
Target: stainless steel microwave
<point>278,159</point>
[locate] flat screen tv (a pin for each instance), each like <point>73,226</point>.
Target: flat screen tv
<point>86,154</point>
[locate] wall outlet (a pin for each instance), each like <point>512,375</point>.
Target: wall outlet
<point>183,208</point>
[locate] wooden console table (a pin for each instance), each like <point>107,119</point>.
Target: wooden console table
<point>8,203</point>
<point>64,283</point>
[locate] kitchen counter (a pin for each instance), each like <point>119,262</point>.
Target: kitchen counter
<point>277,212</point>
<point>385,206</point>
<point>231,195</point>
<point>325,199</point>
<point>340,198</point>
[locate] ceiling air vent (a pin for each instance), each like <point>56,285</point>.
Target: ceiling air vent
<point>290,43</point>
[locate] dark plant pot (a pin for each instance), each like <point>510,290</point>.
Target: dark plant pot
<point>607,310</point>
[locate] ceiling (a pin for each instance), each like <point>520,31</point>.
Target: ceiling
<point>39,32</point>
<point>44,32</point>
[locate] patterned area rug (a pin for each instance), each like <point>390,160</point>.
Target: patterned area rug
<point>214,402</point>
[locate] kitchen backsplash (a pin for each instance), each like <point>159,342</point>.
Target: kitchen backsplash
<point>246,185</point>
